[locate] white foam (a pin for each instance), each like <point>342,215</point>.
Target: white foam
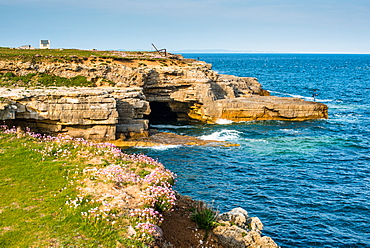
<point>160,147</point>
<point>290,131</point>
<point>223,135</point>
<point>256,140</point>
<point>223,121</point>
<point>348,118</point>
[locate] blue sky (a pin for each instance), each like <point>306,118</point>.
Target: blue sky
<point>307,26</point>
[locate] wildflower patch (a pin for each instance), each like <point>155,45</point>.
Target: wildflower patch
<point>110,197</point>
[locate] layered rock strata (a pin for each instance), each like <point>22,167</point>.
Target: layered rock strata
<point>138,93</point>
<point>100,114</point>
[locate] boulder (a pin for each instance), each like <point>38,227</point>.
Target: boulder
<point>230,236</point>
<point>237,229</point>
<point>237,216</point>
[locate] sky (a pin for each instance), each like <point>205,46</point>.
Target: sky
<point>281,26</point>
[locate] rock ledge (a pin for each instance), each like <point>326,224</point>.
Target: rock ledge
<point>182,90</point>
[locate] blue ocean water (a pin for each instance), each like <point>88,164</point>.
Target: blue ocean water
<point>309,182</point>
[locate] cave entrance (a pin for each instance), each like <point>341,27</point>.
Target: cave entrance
<point>161,113</point>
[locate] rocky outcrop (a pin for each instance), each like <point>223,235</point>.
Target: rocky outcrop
<point>140,92</point>
<point>238,230</point>
<point>101,114</point>
<point>269,108</point>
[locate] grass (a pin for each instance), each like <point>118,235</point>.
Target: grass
<point>33,195</point>
<point>91,58</point>
<point>205,217</point>
<point>73,55</point>
<point>41,79</point>
<point>42,203</point>
<point>32,199</point>
<point>8,52</point>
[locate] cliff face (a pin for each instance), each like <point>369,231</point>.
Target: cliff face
<point>139,92</point>
<point>91,113</point>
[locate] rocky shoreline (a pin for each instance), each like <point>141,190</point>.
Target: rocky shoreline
<point>131,93</point>
<point>236,229</point>
<point>125,190</point>
<point>137,92</point>
<point>169,139</point>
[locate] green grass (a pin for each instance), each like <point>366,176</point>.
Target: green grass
<point>68,54</point>
<point>33,193</point>
<point>62,192</point>
<point>42,80</point>
<point>72,55</point>
<point>205,217</point>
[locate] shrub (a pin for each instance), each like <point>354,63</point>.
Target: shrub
<point>9,75</point>
<point>42,79</point>
<point>205,217</point>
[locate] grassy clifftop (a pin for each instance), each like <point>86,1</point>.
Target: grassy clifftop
<point>76,55</point>
<point>64,192</point>
<point>22,67</point>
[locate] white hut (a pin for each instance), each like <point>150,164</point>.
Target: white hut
<point>44,44</point>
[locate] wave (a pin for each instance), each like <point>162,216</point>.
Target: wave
<point>345,118</point>
<point>290,131</point>
<point>255,140</point>
<point>223,121</point>
<point>160,147</point>
<point>224,135</point>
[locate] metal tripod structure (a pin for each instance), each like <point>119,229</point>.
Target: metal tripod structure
<point>160,51</point>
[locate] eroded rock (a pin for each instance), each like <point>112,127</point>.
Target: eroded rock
<point>239,230</point>
<point>184,90</point>
<point>89,113</point>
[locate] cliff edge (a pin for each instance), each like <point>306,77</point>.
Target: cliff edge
<point>128,91</point>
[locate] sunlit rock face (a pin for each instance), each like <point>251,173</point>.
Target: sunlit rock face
<point>139,94</point>
<point>100,114</point>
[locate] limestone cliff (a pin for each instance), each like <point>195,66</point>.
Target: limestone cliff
<point>91,113</point>
<point>131,93</point>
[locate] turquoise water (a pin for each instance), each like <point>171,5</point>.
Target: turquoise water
<point>309,182</point>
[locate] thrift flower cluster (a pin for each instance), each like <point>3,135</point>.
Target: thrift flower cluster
<point>146,215</point>
<point>157,195</point>
<point>143,159</point>
<point>146,232</point>
<point>160,177</point>
<point>99,216</point>
<point>117,174</point>
<point>78,201</point>
<point>161,198</point>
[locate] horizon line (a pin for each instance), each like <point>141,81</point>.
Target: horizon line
<point>261,52</point>
<point>210,51</point>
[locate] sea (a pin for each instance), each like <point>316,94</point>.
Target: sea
<point>308,182</point>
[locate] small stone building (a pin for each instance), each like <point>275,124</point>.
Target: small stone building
<point>26,47</point>
<point>44,44</point>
